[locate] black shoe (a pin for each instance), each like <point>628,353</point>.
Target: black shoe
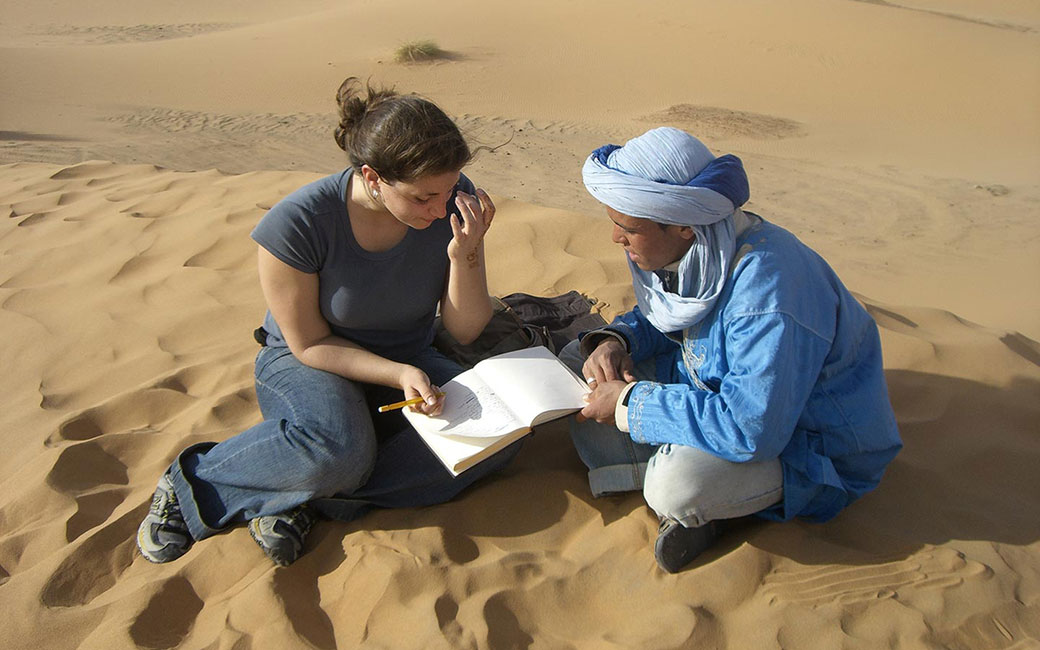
<point>163,536</point>
<point>677,545</point>
<point>281,536</point>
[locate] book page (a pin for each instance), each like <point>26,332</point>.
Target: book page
<point>534,383</point>
<point>479,418</point>
<point>471,409</point>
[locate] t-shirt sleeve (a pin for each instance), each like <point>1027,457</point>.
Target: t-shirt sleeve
<point>290,233</point>
<point>465,185</point>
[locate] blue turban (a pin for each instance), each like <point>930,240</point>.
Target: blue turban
<point>669,176</point>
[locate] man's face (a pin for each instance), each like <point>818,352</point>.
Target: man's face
<point>649,245</point>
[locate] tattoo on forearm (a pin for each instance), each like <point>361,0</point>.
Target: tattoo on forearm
<point>472,259</point>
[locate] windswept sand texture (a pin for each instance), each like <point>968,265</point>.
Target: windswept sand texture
<point>139,144</point>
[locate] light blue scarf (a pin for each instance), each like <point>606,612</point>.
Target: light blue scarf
<point>669,176</point>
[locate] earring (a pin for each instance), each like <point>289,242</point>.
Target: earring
<point>375,193</point>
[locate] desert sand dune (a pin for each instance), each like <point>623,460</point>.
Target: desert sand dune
<point>146,313</point>
<point>140,144</point>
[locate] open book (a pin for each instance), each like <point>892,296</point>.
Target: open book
<point>497,402</point>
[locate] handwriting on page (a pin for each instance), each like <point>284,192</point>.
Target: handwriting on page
<point>476,413</point>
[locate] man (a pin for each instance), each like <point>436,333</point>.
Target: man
<point>747,380</point>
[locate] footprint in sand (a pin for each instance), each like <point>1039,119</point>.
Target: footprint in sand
<point>94,479</point>
<point>299,594</point>
<point>85,466</point>
<point>95,566</point>
<point>504,630</point>
<point>169,616</point>
<point>446,609</point>
<point>135,412</point>
<point>459,548</point>
<point>93,510</point>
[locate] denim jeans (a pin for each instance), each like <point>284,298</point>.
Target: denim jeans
<point>678,482</point>
<point>321,441</point>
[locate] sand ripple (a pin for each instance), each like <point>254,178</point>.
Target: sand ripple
<point>127,298</point>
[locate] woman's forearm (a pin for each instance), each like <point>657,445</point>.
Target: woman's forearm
<point>339,356</point>
<point>466,306</point>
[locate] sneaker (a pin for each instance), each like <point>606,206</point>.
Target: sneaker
<point>678,545</point>
<point>281,536</point>
<point>163,536</point>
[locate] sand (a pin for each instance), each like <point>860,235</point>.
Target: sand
<point>140,143</point>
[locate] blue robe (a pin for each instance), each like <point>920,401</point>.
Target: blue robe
<point>787,365</point>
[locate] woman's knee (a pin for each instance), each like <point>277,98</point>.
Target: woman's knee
<point>331,460</point>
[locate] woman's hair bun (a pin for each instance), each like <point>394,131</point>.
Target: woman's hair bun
<point>354,102</point>
<point>402,137</point>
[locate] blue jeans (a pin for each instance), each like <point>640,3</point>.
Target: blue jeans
<point>678,482</point>
<point>321,442</point>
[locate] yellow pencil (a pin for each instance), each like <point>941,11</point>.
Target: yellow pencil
<point>404,403</point>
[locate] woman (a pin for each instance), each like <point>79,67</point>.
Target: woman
<point>352,268</point>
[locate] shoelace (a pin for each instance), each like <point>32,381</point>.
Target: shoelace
<point>167,508</point>
<point>301,520</point>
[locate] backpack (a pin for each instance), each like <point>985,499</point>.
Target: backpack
<point>519,321</point>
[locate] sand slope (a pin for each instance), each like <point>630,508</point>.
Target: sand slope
<point>128,292</point>
<point>916,120</point>
<point>898,138</point>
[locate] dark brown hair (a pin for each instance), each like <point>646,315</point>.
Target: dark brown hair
<point>401,137</point>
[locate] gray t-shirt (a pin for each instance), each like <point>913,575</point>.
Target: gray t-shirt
<point>385,301</point>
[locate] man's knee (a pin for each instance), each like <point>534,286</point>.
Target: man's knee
<point>695,487</point>
<point>673,493</point>
<point>570,355</point>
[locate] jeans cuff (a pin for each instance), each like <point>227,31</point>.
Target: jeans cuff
<point>626,477</point>
<point>182,487</point>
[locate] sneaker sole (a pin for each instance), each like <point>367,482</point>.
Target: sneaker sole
<point>142,538</point>
<point>264,547</point>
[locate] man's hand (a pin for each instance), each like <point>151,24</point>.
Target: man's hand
<point>608,362</point>
<point>602,401</point>
<point>607,371</point>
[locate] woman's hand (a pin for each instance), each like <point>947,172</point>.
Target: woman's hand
<point>475,216</point>
<point>465,304</point>
<point>415,383</point>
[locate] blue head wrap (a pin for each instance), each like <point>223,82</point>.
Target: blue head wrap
<point>669,176</point>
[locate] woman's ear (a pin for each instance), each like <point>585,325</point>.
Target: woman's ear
<point>687,232</point>
<point>371,178</point>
